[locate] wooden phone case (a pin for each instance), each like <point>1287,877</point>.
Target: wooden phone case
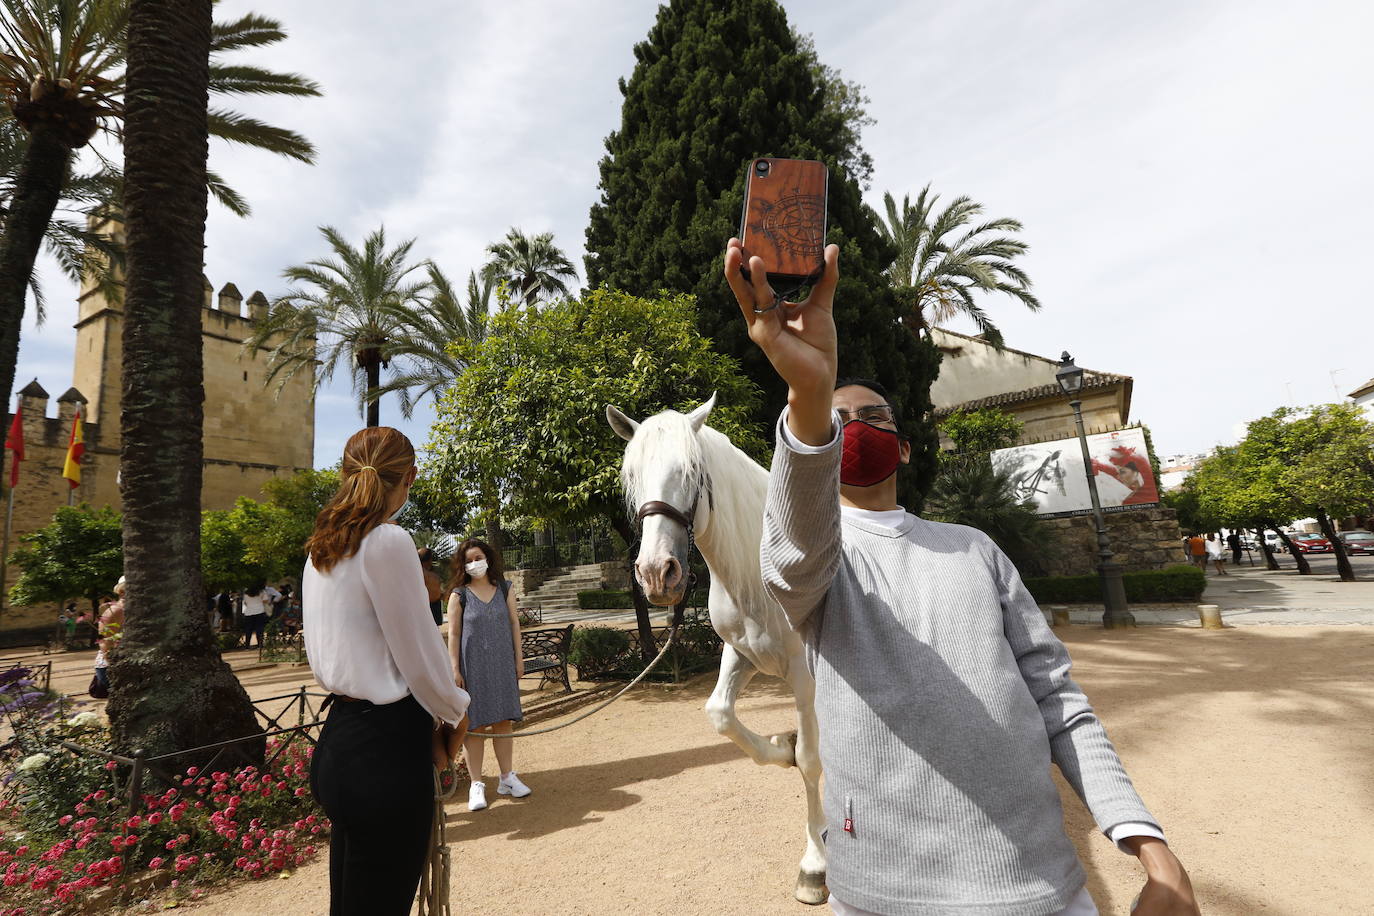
<point>784,217</point>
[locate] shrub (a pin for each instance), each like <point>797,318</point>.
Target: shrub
<point>604,598</point>
<point>617,599</point>
<point>597,650</point>
<point>1177,583</point>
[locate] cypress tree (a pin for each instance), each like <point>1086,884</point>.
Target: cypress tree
<point>716,84</point>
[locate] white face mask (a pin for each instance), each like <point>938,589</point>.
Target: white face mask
<point>477,568</point>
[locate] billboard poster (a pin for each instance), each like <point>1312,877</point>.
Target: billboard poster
<point>1051,474</point>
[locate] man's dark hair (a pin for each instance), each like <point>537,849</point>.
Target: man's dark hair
<point>425,554</point>
<point>870,384</point>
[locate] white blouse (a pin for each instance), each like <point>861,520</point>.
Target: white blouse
<point>368,630</point>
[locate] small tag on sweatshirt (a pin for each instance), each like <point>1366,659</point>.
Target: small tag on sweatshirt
<point>848,814</point>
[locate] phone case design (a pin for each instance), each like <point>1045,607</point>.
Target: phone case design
<point>784,217</point>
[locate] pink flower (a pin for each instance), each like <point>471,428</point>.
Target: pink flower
<point>110,764</point>
<point>192,770</point>
<point>134,821</point>
<point>100,795</point>
<point>155,818</point>
<point>156,863</point>
<point>65,819</point>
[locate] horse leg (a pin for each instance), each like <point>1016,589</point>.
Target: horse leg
<point>811,877</point>
<point>735,674</point>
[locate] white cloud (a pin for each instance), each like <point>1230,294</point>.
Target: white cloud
<point>1192,177</point>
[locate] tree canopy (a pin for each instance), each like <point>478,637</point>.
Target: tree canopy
<point>715,85</point>
<point>981,431</point>
<point>80,553</point>
<point>526,421</point>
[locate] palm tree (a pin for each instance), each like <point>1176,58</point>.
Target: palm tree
<point>428,339</point>
<point>533,266</point>
<point>170,689</point>
<point>79,250</point>
<point>62,73</point>
<point>348,312</point>
<point>937,274</point>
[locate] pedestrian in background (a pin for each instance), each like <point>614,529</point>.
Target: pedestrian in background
<point>1233,541</point>
<point>1216,554</point>
<point>434,586</point>
<point>254,614</point>
<point>1198,547</point>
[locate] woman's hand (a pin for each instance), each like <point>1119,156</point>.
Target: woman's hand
<point>519,667</point>
<point>439,747</point>
<point>458,680</point>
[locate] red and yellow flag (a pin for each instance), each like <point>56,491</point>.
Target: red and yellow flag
<point>15,442</point>
<point>71,469</point>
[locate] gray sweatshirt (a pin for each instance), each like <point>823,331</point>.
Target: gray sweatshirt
<point>942,697</point>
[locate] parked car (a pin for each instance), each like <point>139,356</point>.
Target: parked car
<point>1313,543</point>
<point>1357,543</point>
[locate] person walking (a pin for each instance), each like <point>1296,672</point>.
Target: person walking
<point>1198,547</point>
<point>1233,542</point>
<point>255,605</point>
<point>484,648</point>
<point>395,714</point>
<point>941,692</point>
<point>1216,555</point>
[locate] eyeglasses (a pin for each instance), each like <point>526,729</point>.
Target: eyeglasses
<point>873,413</point>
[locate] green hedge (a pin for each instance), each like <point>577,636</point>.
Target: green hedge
<point>597,651</point>
<point>614,599</point>
<point>1177,583</point>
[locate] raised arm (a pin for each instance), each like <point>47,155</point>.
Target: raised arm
<point>391,575</point>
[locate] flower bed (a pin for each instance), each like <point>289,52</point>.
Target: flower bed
<point>66,834</point>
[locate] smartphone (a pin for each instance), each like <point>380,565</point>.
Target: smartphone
<point>785,207</point>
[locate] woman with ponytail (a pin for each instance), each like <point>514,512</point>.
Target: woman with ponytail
<point>395,711</point>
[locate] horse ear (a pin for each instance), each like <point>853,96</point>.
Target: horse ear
<point>698,416</point>
<point>624,427</point>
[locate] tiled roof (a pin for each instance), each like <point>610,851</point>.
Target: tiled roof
<point>1363,389</point>
<point>1091,380</point>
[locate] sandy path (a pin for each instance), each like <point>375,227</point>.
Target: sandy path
<point>1252,746</point>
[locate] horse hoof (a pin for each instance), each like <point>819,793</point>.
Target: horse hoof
<point>811,888</point>
<point>787,742</point>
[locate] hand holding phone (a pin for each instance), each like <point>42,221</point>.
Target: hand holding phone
<point>783,223</point>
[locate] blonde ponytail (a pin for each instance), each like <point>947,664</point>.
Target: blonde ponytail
<point>361,501</point>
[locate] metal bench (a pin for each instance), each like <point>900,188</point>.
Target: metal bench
<point>545,651</point>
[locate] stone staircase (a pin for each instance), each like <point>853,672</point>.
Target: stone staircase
<point>558,594</point>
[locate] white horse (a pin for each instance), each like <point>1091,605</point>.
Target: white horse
<point>677,473</point>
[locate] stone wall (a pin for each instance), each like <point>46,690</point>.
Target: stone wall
<point>1140,539</point>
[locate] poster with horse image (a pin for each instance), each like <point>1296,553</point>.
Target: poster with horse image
<point>1051,474</point>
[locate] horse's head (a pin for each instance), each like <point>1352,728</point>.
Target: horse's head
<point>666,487</point>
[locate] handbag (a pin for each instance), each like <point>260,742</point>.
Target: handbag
<point>98,690</point>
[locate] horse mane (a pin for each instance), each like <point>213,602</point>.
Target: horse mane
<point>738,487</point>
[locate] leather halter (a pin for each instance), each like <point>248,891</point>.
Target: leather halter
<point>667,510</point>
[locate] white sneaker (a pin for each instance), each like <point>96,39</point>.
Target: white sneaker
<point>477,796</point>
<point>511,785</point>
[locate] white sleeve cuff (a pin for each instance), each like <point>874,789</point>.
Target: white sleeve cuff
<point>786,438</point>
<point>1122,832</point>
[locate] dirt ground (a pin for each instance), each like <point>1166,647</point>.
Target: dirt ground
<point>1253,747</point>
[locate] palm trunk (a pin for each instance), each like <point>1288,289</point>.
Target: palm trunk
<point>170,690</point>
<point>1343,566</point>
<point>37,191</point>
<point>1303,567</point>
<point>1269,561</point>
<point>373,368</point>
<point>491,517</point>
<point>647,648</point>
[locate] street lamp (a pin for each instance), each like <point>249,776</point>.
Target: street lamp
<point>1070,379</point>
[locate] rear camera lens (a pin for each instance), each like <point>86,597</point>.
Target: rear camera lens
<point>761,167</point>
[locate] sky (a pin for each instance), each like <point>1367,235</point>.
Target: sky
<point>1193,178</point>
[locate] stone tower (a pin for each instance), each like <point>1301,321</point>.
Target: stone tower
<point>251,433</point>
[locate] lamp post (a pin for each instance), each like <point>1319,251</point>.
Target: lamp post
<point>1117,614</point>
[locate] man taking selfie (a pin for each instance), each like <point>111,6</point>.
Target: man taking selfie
<point>942,694</point>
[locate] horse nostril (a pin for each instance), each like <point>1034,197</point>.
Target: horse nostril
<point>672,572</point>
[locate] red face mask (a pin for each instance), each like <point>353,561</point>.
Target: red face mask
<point>871,454</point>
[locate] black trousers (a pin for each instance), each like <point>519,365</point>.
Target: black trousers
<point>373,773</point>
<point>253,623</point>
